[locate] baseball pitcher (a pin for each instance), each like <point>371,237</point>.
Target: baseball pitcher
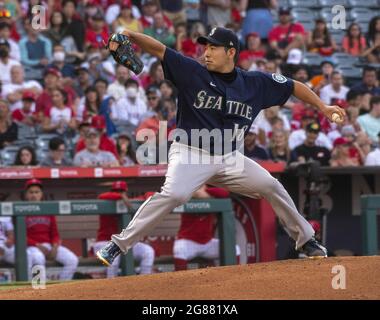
<point>220,96</point>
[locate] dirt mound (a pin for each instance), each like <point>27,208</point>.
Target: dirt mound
<point>290,279</point>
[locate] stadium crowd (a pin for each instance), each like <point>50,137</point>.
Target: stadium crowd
<point>65,102</point>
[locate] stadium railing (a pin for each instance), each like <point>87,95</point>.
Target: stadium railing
<point>222,207</point>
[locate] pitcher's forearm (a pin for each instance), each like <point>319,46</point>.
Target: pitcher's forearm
<point>147,43</point>
<point>305,94</point>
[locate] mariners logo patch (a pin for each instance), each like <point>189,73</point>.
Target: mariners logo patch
<point>279,78</point>
<point>212,32</point>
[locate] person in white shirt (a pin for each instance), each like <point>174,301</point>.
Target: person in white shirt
<point>6,63</point>
<point>128,111</point>
<point>117,88</point>
<point>5,33</point>
<point>370,122</point>
<point>334,90</point>
<point>13,91</point>
<point>373,158</point>
<point>297,137</point>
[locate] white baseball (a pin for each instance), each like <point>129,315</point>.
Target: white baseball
<point>336,117</point>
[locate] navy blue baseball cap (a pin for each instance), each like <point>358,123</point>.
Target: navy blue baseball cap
<point>221,37</point>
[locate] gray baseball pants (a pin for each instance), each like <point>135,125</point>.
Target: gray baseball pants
<point>232,171</point>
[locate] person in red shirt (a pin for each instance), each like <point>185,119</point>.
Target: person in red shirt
<point>106,144</point>
<point>43,239</point>
<point>44,101</point>
<point>149,8</point>
<point>254,47</point>
<point>287,35</point>
<point>25,115</point>
<point>97,35</point>
<point>195,237</point>
<point>109,224</point>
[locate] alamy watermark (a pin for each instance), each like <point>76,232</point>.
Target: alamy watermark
<point>338,282</point>
<point>38,277</point>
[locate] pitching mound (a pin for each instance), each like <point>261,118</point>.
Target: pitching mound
<point>291,279</point>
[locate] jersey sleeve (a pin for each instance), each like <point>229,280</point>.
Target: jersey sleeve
<point>275,89</point>
<point>177,67</point>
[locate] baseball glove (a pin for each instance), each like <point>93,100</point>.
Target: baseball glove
<point>124,54</point>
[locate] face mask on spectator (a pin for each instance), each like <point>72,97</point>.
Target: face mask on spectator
<point>59,56</point>
<point>131,92</point>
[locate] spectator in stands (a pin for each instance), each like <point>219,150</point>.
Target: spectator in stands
<point>92,156</point>
<point>264,122</point>
<point>354,99</point>
<point>56,31</point>
<point>373,158</point>
<point>127,156</point>
<point>340,156</point>
<point>354,42</point>
<point>60,117</point>
<point>251,149</point>
<point>335,90</point>
<point>8,128</point>
<point>355,150</point>
<point>174,10</point>
<point>297,137</point>
<point>167,90</point>
<point>52,82</point>
<point>320,40</point>
<point>14,90</point>
<point>160,31</point>
<point>278,148</point>
<point>97,32</point>
<point>373,41</point>
<point>254,47</point>
<point>73,24</point>
<point>370,122</point>
<point>287,35</point>
<point>43,238</point>
<point>66,69</point>
<point>26,157</point>
<point>106,144</point>
<point>6,62</point>
<point>89,105</point>
<point>113,10</point>
<point>126,113</point>
<point>321,80</point>
<point>83,80</point>
<point>372,54</point>
<point>35,50</point>
<point>126,20</point>
<point>258,17</point>
<point>156,75</point>
<point>56,156</point>
<point>309,150</point>
<point>189,45</point>
<point>218,12</point>
<point>109,224</point>
<point>25,114</point>
<point>117,88</point>
<point>195,237</point>
<point>369,83</point>
<point>149,8</point>
<point>153,96</point>
<point>14,49</point>
<point>106,101</point>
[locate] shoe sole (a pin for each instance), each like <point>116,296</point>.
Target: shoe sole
<point>104,261</point>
